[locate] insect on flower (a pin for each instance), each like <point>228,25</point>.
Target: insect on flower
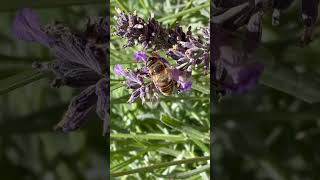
<point>156,77</point>
<point>160,74</point>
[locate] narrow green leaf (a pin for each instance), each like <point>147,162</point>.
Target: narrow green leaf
<point>286,80</point>
<point>185,12</point>
<point>150,136</point>
<point>189,131</point>
<point>143,5</point>
<point>165,108</point>
<point>201,145</point>
<point>202,89</point>
<point>271,116</point>
<point>116,86</point>
<point>168,151</point>
<point>7,71</point>
<point>19,80</point>
<point>122,6</point>
<point>127,162</point>
<point>185,8</point>
<point>171,122</point>
<point>120,100</point>
<point>14,59</point>
<point>188,174</point>
<point>281,78</point>
<point>37,121</point>
<point>161,165</point>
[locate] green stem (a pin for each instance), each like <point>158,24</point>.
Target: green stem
<point>187,174</point>
<point>149,137</point>
<point>19,80</point>
<point>143,5</point>
<point>127,162</point>
<point>122,6</point>
<point>120,85</point>
<point>161,165</point>
<point>185,12</point>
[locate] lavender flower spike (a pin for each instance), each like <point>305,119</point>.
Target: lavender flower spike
<point>133,80</point>
<point>80,62</point>
<point>236,69</point>
<point>150,34</point>
<point>79,107</point>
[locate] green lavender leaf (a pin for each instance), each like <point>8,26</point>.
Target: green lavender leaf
<point>185,12</point>
<point>160,165</point>
<point>19,80</point>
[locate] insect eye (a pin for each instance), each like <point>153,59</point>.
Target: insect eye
<point>158,69</point>
<point>150,61</point>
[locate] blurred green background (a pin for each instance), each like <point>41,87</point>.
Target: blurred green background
<point>178,126</point>
<point>273,131</point>
<point>29,149</point>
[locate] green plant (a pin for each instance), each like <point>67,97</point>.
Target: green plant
<point>170,138</point>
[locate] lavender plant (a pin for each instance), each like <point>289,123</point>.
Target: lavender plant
<point>80,63</point>
<point>184,49</point>
<point>237,29</point>
<point>280,123</point>
<point>146,131</point>
<point>235,69</point>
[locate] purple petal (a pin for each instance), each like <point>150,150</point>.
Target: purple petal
<point>247,79</point>
<point>140,55</point>
<point>134,96</point>
<point>237,65</point>
<point>179,75</point>
<point>26,26</point>
<point>182,78</point>
<point>175,74</point>
<point>118,70</point>
<point>103,103</point>
<point>79,107</point>
<point>102,94</point>
<point>76,77</point>
<point>185,85</point>
<point>132,79</point>
<point>142,94</point>
<point>69,49</point>
<point>175,54</point>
